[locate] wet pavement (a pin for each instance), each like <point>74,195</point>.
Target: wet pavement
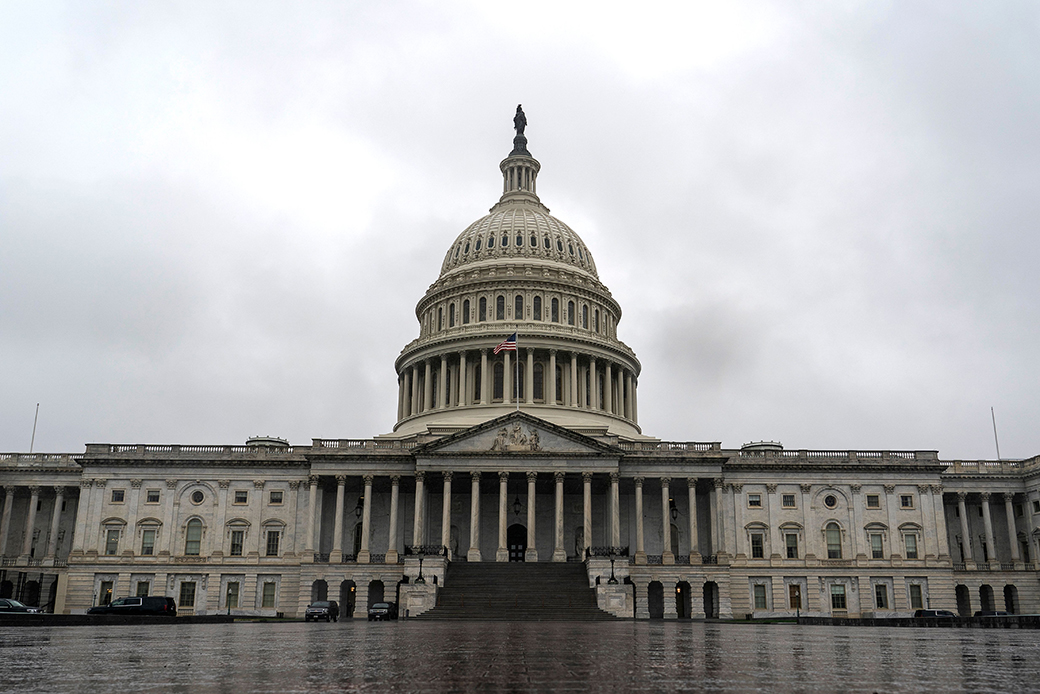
<point>514,657</point>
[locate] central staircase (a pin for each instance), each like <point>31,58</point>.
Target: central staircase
<point>517,591</point>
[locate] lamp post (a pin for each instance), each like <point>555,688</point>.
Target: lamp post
<point>612,581</point>
<point>419,578</point>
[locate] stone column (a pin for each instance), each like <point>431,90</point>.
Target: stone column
<point>640,554</point>
<point>628,395</point>
<point>987,521</point>
<point>337,530</point>
<point>594,401</point>
<point>808,522</point>
<point>446,514</point>
<point>857,521</point>
<point>713,513</point>
<point>586,479</point>
<point>462,394</point>
<point>364,554</point>
<point>391,540</point>
<point>667,556</point>
<point>414,408</point>
<point>940,523</point>
<point>5,524</point>
<point>695,546</point>
<point>574,379</point>
<point>400,397</point>
<point>427,401</point>
<point>474,518</point>
<point>532,550</point>
<point>168,531</point>
<point>1012,529</point>
<point>926,546</point>
<point>30,521</point>
<point>442,391</point>
<point>529,379</point>
<point>52,539</point>
<point>775,540</point>
<point>608,389</point>
<point>635,400</point>
<point>549,386</point>
<point>417,524</point>
<point>312,507</point>
<point>965,532</point>
<point>615,511</point>
<point>560,552</point>
<point>484,376</point>
<point>503,497</point>
<point>893,547</point>
<point>739,537</point>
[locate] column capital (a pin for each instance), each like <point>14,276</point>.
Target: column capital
<point>890,489</point>
<point>446,474</point>
<point>806,488</point>
<point>665,481</point>
<point>985,496</point>
<point>136,483</point>
<point>341,480</point>
<point>962,496</point>
<point>420,475</point>
<point>614,477</point>
<point>60,491</point>
<point>475,475</point>
<point>553,352</point>
<point>771,488</point>
<point>35,490</point>
<point>259,484</point>
<point>1008,497</point>
<point>224,484</point>
<point>99,483</point>
<point>638,481</point>
<point>691,482</point>
<point>503,476</point>
<point>295,484</point>
<point>717,482</point>
<point>737,487</point>
<point>171,484</point>
<point>559,476</point>
<point>395,480</point>
<point>586,476</point>
<point>462,353</point>
<point>83,484</point>
<point>313,480</point>
<point>924,489</point>
<point>937,489</point>
<point>532,476</point>
<point>368,480</point>
<point>855,488</point>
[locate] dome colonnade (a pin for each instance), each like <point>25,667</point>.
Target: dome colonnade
<point>518,269</point>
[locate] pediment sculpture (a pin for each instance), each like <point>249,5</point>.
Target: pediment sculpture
<point>513,439</point>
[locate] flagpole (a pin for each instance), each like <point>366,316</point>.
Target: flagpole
<point>516,379</point>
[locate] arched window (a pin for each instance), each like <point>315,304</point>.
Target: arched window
<point>451,315</point>
<point>585,317</point>
<point>595,320</point>
<point>555,310</point>
<point>476,383</point>
<point>499,385</point>
<point>519,240</point>
<point>193,538</point>
<point>833,541</point>
<point>440,318</point>
<point>500,308</point>
<point>465,312</point>
<point>538,308</point>
<point>482,310</point>
<point>546,243</point>
<point>518,307</point>
<point>491,241</point>
<point>539,377</point>
<point>476,246</point>
<point>570,313</point>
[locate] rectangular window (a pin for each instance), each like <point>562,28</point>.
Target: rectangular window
<point>754,500</point>
<point>105,594</point>
<point>1018,510</point>
<point>1036,505</point>
<point>881,596</point>
<point>838,596</point>
<point>268,595</point>
<point>760,597</point>
<point>237,538</point>
<point>911,546</point>
<point>906,501</point>
<point>916,597</point>
<point>111,541</point>
<point>985,552</point>
<point>142,589</point>
<point>757,546</point>
<point>232,595</point>
<point>241,496</point>
<point>873,501</point>
<point>118,495</point>
<point>877,548</point>
<point>538,308</point>
<point>792,545</point>
<point>152,496</point>
<point>148,542</point>
<point>187,594</point>
<point>276,497</point>
<point>272,543</point>
<point>787,500</point>
<point>794,596</point>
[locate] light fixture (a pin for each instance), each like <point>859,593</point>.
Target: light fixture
<point>517,506</point>
<point>675,511</point>
<point>360,508</point>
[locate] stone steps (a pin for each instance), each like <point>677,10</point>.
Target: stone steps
<point>517,591</point>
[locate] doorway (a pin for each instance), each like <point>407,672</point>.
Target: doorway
<point>711,600</point>
<point>682,600</point>
<point>347,593</point>
<point>655,599</point>
<point>963,601</point>
<point>516,540</point>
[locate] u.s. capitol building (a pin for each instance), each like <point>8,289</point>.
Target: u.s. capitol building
<point>527,455</point>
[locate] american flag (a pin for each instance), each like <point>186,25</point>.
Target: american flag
<point>508,345</point>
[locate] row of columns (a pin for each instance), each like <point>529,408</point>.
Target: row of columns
<point>987,521</point>
<point>30,521</point>
<point>415,386</point>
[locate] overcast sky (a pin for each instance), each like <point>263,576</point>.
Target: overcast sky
<point>820,219</point>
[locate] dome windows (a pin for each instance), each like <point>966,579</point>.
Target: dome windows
<point>534,241</point>
<point>595,320</point>
<point>585,317</point>
<point>570,313</point>
<point>451,315</point>
<point>518,307</point>
<point>547,243</point>
<point>477,246</point>
<point>570,247</point>
<point>491,241</point>
<point>537,308</point>
<point>519,241</point>
<point>465,312</point>
<point>505,240</point>
<point>500,308</point>
<point>559,245</point>
<point>482,310</point>
<point>555,311</point>
<point>466,249</point>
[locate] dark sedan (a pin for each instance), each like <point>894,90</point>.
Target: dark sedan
<point>382,611</point>
<point>10,606</point>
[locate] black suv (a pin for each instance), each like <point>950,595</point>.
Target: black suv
<point>322,609</point>
<point>382,611</point>
<point>145,605</point>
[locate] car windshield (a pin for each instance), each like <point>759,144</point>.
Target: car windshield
<point>380,606</point>
<point>15,603</point>
<point>321,603</point>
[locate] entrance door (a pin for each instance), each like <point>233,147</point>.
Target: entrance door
<point>516,539</point>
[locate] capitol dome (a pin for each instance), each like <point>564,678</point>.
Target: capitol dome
<point>518,270</point>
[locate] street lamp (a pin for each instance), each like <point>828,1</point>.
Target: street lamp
<point>360,508</point>
<point>612,581</point>
<point>517,505</point>
<point>419,578</point>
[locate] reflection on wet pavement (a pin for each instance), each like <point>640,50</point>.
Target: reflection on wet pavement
<point>527,656</point>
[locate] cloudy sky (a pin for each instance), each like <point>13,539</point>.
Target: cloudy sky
<point>820,218</point>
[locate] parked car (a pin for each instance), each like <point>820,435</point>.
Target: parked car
<point>382,611</point>
<point>322,609</point>
<point>991,613</point>
<point>144,605</point>
<point>9,605</point>
<point>934,613</point>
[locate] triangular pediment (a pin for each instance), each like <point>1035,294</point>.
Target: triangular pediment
<point>516,434</point>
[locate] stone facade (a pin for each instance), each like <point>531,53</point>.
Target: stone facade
<point>533,455</point>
